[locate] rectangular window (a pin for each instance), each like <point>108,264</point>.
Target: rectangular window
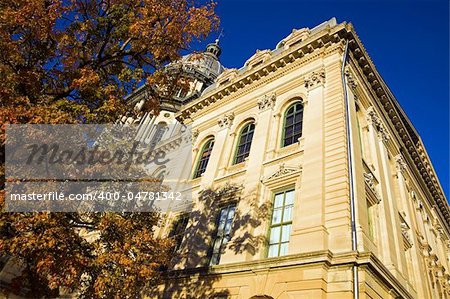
<point>224,222</point>
<point>178,230</point>
<point>280,227</point>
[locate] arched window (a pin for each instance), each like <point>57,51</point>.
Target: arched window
<point>204,157</point>
<point>244,143</point>
<point>293,124</point>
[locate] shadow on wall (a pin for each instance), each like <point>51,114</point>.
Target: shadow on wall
<point>192,277</point>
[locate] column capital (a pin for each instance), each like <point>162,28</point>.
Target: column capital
<point>373,119</point>
<point>350,79</point>
<point>226,120</point>
<point>400,163</point>
<point>266,102</point>
<point>315,79</point>
<point>195,134</point>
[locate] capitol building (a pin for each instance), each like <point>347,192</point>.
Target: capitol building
<point>308,179</point>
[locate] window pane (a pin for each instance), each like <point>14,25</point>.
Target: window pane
<point>278,200</point>
<point>287,215</point>
<point>231,213</point>
<point>298,117</point>
<point>289,195</point>
<point>284,249</point>
<point>216,247</point>
<point>286,233</point>
<point>224,243</point>
<point>276,217</point>
<point>288,132</point>
<point>289,120</point>
<point>228,227</point>
<point>215,259</point>
<point>273,250</point>
<point>275,234</point>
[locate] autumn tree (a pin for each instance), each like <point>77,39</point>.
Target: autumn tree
<point>73,61</point>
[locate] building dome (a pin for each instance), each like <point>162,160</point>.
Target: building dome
<point>204,66</point>
<point>200,69</point>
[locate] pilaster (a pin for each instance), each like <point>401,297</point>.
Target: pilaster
<point>308,231</point>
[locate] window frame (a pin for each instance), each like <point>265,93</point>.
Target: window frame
<point>238,143</point>
<point>282,223</point>
<point>216,237</point>
<point>283,128</point>
<point>178,228</point>
<point>200,154</point>
<point>157,134</point>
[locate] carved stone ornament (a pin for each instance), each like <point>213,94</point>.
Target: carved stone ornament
<point>350,80</point>
<point>267,101</point>
<point>406,235</point>
<point>195,134</point>
<point>283,170</point>
<point>400,163</point>
<point>315,79</point>
<point>226,120</point>
<point>370,182</point>
<point>374,119</point>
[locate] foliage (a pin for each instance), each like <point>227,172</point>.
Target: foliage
<point>73,61</point>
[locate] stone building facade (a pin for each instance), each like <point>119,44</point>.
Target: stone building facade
<point>308,179</point>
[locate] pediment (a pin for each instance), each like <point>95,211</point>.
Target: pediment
<point>295,37</point>
<point>227,75</point>
<point>282,175</point>
<point>258,57</point>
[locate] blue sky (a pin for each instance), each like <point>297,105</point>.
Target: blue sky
<point>407,40</point>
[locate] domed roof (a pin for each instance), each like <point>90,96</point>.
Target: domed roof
<point>204,63</point>
<point>204,66</point>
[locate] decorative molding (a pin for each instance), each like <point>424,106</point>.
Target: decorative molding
<point>195,134</point>
<point>281,177</point>
<point>259,57</point>
<point>226,120</point>
<point>400,163</point>
<point>438,228</point>
<point>370,183</point>
<point>407,240</point>
<point>373,119</point>
<point>282,171</point>
<point>294,38</point>
<point>315,79</point>
<point>350,80</point>
<point>267,101</point>
<point>227,75</point>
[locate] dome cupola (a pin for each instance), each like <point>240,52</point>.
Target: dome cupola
<point>214,49</point>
